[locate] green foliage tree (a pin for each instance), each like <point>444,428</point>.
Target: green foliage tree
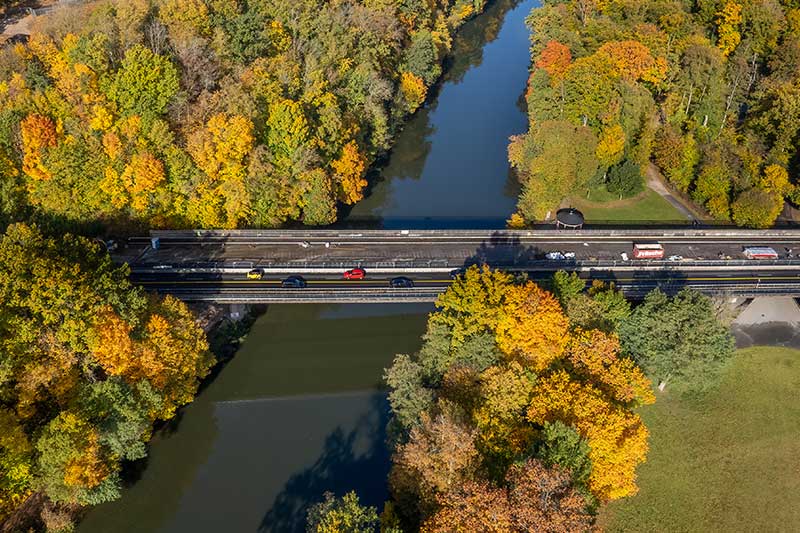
<point>625,179</point>
<point>677,339</point>
<point>341,515</point>
<point>562,445</point>
<point>554,159</point>
<point>422,58</point>
<point>144,84</point>
<point>567,286</point>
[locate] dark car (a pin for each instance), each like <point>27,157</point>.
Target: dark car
<point>401,283</point>
<point>457,272</point>
<point>294,282</point>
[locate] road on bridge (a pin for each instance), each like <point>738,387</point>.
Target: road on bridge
<point>213,265</point>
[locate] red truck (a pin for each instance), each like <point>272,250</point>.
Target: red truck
<point>648,251</point>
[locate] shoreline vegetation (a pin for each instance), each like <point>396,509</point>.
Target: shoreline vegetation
<point>120,114</point>
<point>521,410</point>
<point>89,365</point>
<point>706,91</point>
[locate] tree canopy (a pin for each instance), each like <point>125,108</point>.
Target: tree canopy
<point>87,364</point>
<point>506,398</point>
<point>707,90</point>
<point>208,113</point>
<point>677,339</point>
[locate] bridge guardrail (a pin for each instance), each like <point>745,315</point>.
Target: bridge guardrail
<point>317,234</point>
<point>429,294</point>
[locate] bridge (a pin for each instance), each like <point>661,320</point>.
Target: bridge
<point>213,265</point>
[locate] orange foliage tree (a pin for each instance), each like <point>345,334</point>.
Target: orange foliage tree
<point>350,169</point>
<point>554,59</point>
<point>38,132</point>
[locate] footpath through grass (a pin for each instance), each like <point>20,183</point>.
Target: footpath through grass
<point>729,462</point>
<point>646,207</point>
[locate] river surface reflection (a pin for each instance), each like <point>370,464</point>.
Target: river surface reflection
<point>449,166</point>
<point>296,412</point>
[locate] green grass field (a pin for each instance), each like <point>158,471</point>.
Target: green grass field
<point>647,207</point>
<point>729,462</point>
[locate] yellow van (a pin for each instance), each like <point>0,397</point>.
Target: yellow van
<point>256,273</point>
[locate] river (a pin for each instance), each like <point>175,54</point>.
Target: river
<point>299,410</point>
<point>449,167</point>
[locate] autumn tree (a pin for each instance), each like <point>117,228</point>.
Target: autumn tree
<point>505,378</point>
<point>756,208</point>
<point>728,19</point>
<point>554,59</point>
<point>89,364</point>
<point>350,169</point>
<point>537,499</point>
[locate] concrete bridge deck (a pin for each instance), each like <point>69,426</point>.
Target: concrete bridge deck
<point>211,265</point>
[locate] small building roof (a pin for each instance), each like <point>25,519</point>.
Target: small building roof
<point>569,216</point>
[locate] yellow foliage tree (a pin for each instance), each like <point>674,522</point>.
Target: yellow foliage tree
<point>505,393</point>
<point>220,150</point>
<point>532,327</point>
<point>473,303</point>
<point>186,17</point>
<point>728,20</point>
<point>350,169</point>
<point>611,145</point>
<point>776,180</point>
<point>112,345</point>
<point>413,89</point>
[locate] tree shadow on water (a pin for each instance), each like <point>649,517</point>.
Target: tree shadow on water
<point>356,460</point>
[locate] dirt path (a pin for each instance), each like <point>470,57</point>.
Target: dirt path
<point>655,181</point>
<point>17,20</point>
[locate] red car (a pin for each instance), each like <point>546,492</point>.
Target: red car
<point>355,273</point>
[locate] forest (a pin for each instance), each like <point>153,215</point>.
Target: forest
<point>88,363</point>
<point>119,115</point>
<point>707,90</point>
<point>520,411</point>
<point>211,113</point>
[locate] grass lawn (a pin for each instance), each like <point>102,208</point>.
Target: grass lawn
<point>730,462</point>
<point>646,207</point>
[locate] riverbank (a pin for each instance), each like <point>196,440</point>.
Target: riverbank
<point>299,410</point>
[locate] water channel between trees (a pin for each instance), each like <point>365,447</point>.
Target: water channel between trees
<point>299,409</point>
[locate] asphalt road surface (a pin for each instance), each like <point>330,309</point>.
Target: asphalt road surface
<point>373,250</point>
